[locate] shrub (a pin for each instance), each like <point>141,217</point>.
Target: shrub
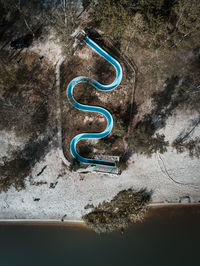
<point>127,207</point>
<point>105,145</point>
<point>119,129</point>
<point>153,23</point>
<point>155,12</point>
<point>113,16</point>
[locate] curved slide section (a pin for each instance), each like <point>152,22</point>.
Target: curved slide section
<point>96,109</point>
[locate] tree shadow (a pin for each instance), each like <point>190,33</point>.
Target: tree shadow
<point>14,171</point>
<point>85,150</point>
<point>164,103</point>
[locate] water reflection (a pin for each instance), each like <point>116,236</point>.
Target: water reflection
<point>170,236</point>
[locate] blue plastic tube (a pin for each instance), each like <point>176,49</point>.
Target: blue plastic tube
<point>83,107</point>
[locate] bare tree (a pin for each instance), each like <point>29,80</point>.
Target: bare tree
<point>63,19</point>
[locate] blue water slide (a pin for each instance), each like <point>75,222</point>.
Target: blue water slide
<point>88,108</point>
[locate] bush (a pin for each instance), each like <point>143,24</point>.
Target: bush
<point>153,23</point>
<point>113,16</point>
<point>63,19</point>
<point>155,12</point>
<point>105,145</point>
<point>119,129</point>
<point>127,207</point>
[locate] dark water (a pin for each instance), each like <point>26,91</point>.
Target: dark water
<point>170,236</point>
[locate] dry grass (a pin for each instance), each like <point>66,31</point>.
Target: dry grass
<point>25,99</point>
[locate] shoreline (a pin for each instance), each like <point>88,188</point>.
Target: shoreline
<point>153,207</point>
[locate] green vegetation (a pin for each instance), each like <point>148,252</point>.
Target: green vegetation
<point>153,23</point>
<point>104,144</point>
<point>127,207</point>
<point>154,12</point>
<point>113,15</point>
<point>119,129</point>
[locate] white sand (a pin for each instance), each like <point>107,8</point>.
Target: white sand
<point>9,142</point>
<point>49,48</point>
<point>76,190</point>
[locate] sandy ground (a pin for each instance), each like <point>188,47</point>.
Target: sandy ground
<point>49,48</point>
<point>9,143</point>
<point>171,177</point>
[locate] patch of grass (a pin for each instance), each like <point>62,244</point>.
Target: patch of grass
<point>119,129</point>
<point>127,207</point>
